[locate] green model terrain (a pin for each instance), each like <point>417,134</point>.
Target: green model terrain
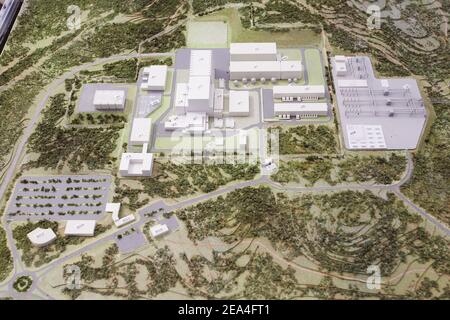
<point>310,230</point>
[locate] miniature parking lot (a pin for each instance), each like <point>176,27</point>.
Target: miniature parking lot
<point>74,197</point>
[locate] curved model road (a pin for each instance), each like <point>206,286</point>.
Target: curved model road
<point>36,275</point>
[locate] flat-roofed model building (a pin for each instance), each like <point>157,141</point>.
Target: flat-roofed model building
<point>265,69</point>
<point>265,51</point>
<point>155,78</point>
<point>136,164</point>
<point>140,131</point>
<point>305,92</point>
<point>341,65</point>
<point>191,122</point>
<point>109,99</point>
<point>159,230</point>
<point>114,210</point>
<point>41,237</point>
<point>81,228</point>
<point>200,63</point>
<point>301,109</point>
<point>254,69</point>
<point>239,105</point>
<point>181,98</point>
<point>200,94</point>
<point>291,69</point>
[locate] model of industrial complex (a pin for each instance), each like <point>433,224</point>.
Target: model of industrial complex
<point>197,168</point>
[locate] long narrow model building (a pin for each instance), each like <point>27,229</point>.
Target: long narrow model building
<point>266,51</point>
<point>265,69</point>
<point>301,109</point>
<point>299,91</point>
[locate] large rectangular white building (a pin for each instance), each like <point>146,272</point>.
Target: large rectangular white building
<point>306,92</point>
<point>291,69</point>
<point>81,228</point>
<point>265,69</point>
<point>253,51</point>
<point>140,131</point>
<point>301,109</point>
<point>201,63</point>
<point>239,105</point>
<point>155,78</point>
<point>109,99</point>
<point>200,94</point>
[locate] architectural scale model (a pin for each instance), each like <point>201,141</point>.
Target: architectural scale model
<point>224,150</point>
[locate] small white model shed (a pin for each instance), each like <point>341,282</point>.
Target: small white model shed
<point>158,230</point>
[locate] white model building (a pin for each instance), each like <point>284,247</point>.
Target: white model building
<point>155,78</point>
<point>301,109</point>
<point>109,99</point>
<point>158,230</point>
<point>200,94</point>
<point>201,63</point>
<point>265,69</point>
<point>291,69</point>
<point>136,164</point>
<point>140,131</point>
<point>81,228</point>
<point>304,92</point>
<point>181,98</point>
<point>114,209</point>
<point>266,51</point>
<point>341,65</point>
<point>41,237</point>
<point>195,100</point>
<point>190,122</point>
<point>239,105</point>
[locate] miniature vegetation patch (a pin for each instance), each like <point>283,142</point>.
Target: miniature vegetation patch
<point>429,185</point>
<point>40,49</point>
<point>77,148</point>
<point>37,256</point>
<point>377,169</point>
<point>118,277</point>
<point>343,232</point>
<point>172,180</point>
<point>308,139</point>
<point>23,284</point>
<point>5,256</point>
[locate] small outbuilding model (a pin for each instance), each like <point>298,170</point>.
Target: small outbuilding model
<point>41,237</point>
<point>159,230</point>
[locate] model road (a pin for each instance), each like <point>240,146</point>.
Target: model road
<point>263,180</point>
